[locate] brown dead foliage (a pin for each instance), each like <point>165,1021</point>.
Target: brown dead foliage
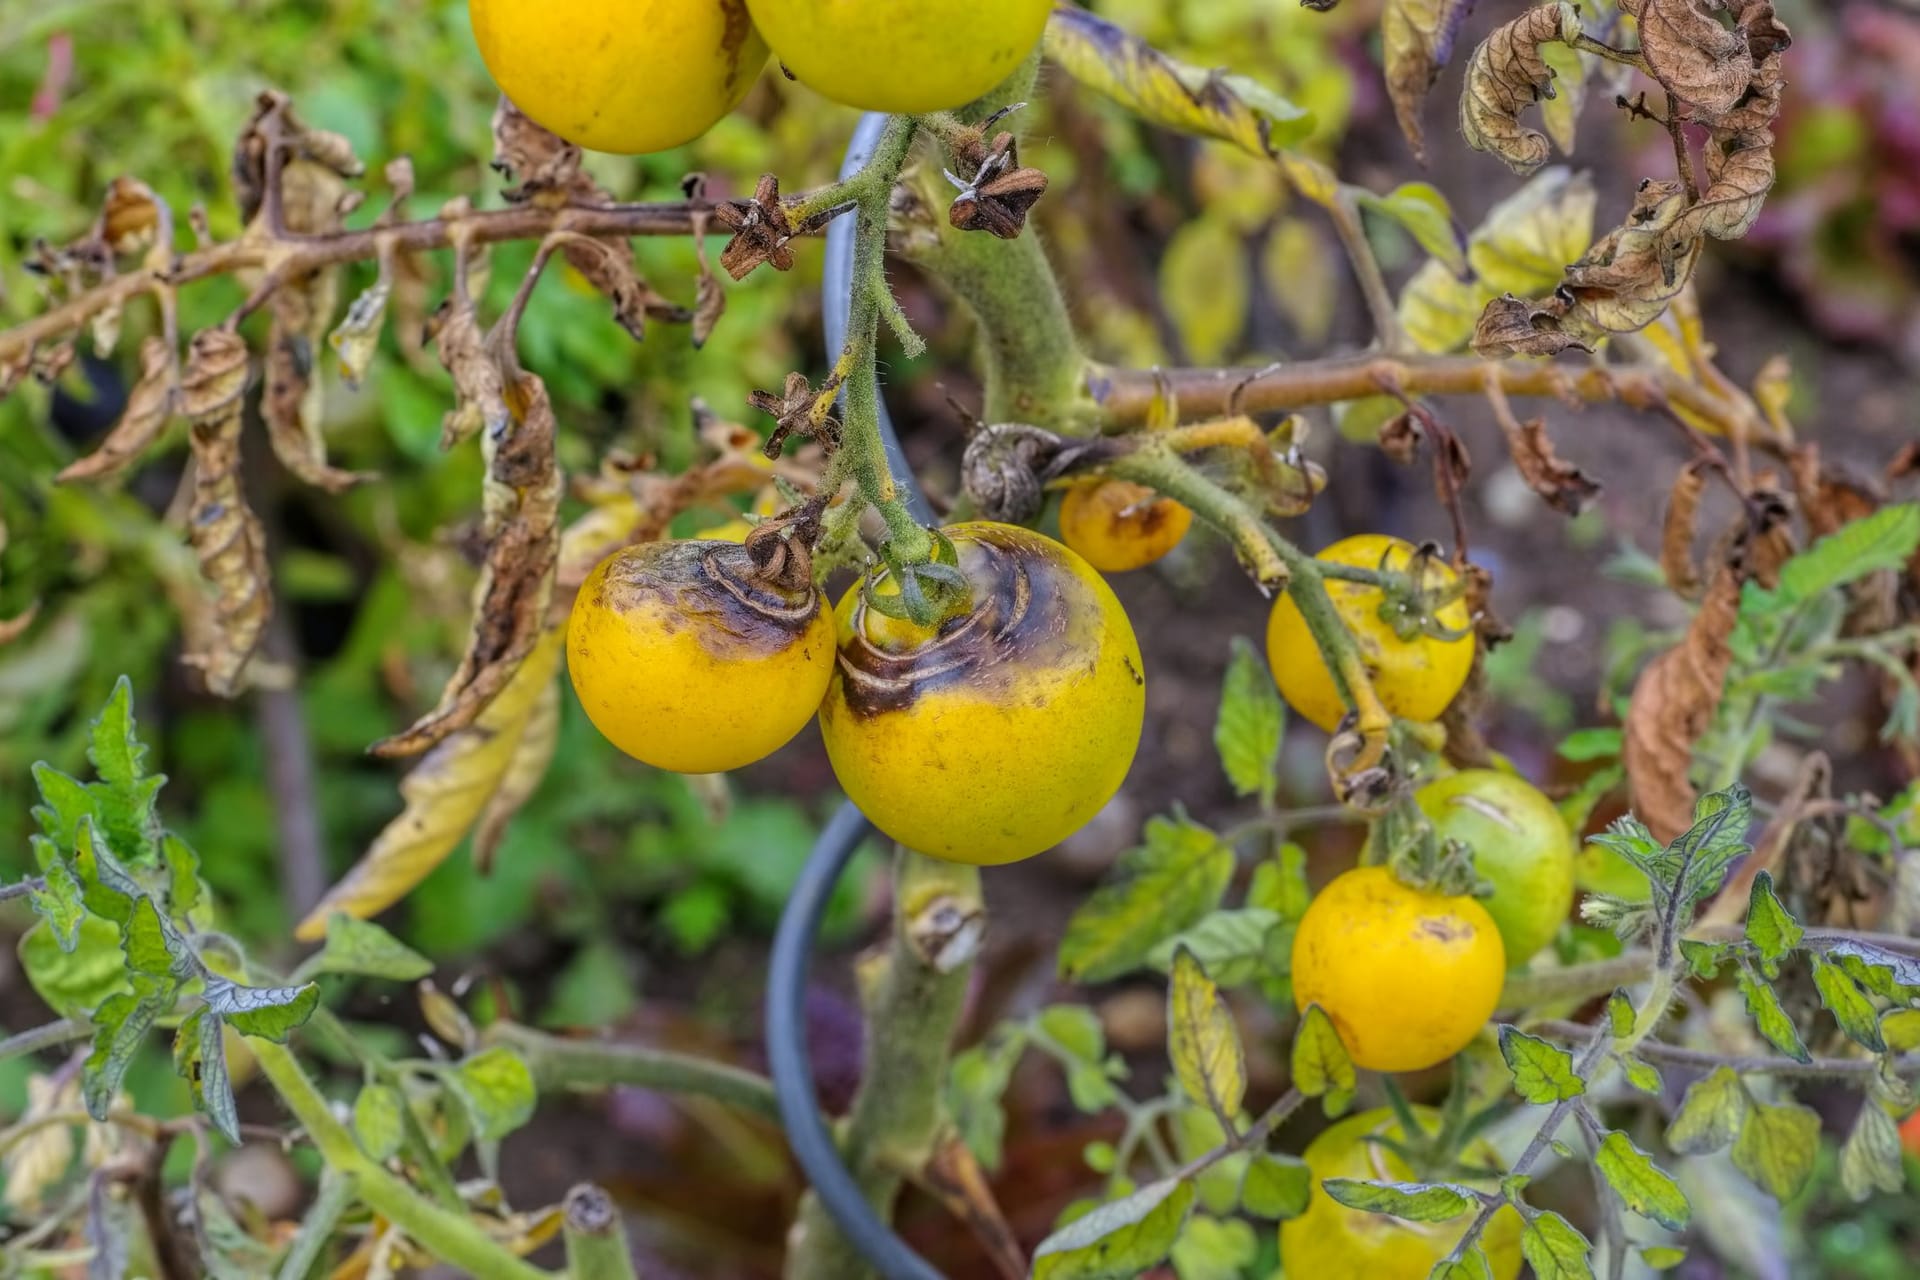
<point>1672,705</point>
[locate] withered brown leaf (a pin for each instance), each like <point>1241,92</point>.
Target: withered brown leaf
<point>1505,76</point>
<point>225,533</point>
<point>1565,487</point>
<point>291,400</point>
<point>1513,326</point>
<point>547,167</point>
<point>1677,562</point>
<point>1416,38</point>
<point>608,266</point>
<point>1672,705</point>
<point>1630,275</point>
<point>479,388</point>
<point>520,520</point>
<point>149,407</point>
<point>1693,55</point>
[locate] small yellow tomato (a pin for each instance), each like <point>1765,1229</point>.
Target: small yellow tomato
<point>1118,525</point>
<point>1003,731</point>
<point>909,56</point>
<point>686,661</point>
<point>621,75</point>
<point>1332,1240</point>
<point>1415,678</point>
<point>1520,845</point>
<point>1407,976</point>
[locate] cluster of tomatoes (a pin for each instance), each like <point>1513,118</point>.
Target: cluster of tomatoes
<point>633,76</point>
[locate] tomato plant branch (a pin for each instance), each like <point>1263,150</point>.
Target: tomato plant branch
<point>50,1036</point>
<point>558,1063</point>
<point>912,995</point>
<point>1344,209</point>
<point>596,1240</point>
<point>451,1237</point>
<point>1763,1064</point>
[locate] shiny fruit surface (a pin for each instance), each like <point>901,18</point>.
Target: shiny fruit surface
<point>1416,678</point>
<point>620,75</point>
<point>1116,525</point>
<point>1407,976</point>
<point>1001,732</point>
<point>903,56</point>
<point>1520,845</point>
<point>686,661</point>
<point>1332,1240</point>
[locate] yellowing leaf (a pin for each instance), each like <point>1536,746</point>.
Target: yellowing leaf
<point>531,756</point>
<point>445,794</point>
<point>1321,1067</point>
<point>1159,89</point>
<point>1777,1147</point>
<point>1202,1040</point>
<point>1561,113</point>
<point>1438,309</point>
<point>38,1161</point>
<point>1417,37</point>
<point>1301,269</point>
<point>1203,284</point>
<point>1526,242</point>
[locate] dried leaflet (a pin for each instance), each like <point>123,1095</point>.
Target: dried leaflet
<point>1417,38</point>
<point>290,402</point>
<point>547,168</point>
<point>607,265</point>
<point>1672,705</point>
<point>479,387</point>
<point>447,792</point>
<point>149,407</point>
<point>520,521</point>
<point>225,533</point>
<point>1691,53</point>
<point>1565,487</point>
<point>1676,538</point>
<point>1505,76</point>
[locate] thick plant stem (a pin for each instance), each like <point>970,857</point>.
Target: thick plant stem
<point>912,996</point>
<point>447,1235</point>
<point>596,1240</point>
<point>559,1063</point>
<point>1033,363</point>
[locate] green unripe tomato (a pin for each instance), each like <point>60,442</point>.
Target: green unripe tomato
<point>1520,844</point>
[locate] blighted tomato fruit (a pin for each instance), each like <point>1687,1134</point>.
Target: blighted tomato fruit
<point>1003,730</point>
<point>688,660</point>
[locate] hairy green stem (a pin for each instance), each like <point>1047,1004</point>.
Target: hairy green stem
<point>50,1036</point>
<point>335,1197</point>
<point>912,997</point>
<point>596,1240</point>
<point>1833,1069</point>
<point>559,1063</point>
<point>449,1236</point>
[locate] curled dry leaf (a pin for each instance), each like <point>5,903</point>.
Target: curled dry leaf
<point>479,387</point>
<point>710,299</point>
<point>1626,280</point>
<point>1676,537</point>
<point>314,162</point>
<point>1565,487</point>
<point>291,401</point>
<point>459,780</point>
<point>1505,76</point>
<point>225,533</point>
<point>607,265</point>
<point>356,337</point>
<point>1691,53</point>
<point>131,218</point>
<point>1672,705</point>
<point>547,167</point>
<point>1416,37</point>
<point>1513,326</point>
<point>149,407</point>
<point>520,520</point>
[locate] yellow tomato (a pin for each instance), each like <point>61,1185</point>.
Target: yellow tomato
<point>901,55</point>
<point>1408,977</point>
<point>1117,525</point>
<point>686,662</point>
<point>621,75</point>
<point>1520,845</point>
<point>1004,731</point>
<point>1415,679</point>
<point>1332,1240</point>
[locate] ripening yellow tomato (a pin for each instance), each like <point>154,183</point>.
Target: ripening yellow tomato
<point>686,661</point>
<point>621,75</point>
<point>1415,678</point>
<point>1407,976</point>
<point>910,56</point>
<point>1332,1240</point>
<point>1117,525</point>
<point>1001,732</point>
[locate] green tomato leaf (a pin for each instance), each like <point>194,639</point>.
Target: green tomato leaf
<point>1554,1249</point>
<point>108,888</point>
<point>1662,1257</point>
<point>1279,884</point>
<point>1770,929</point>
<point>1640,1073</point>
<point>1248,728</point>
<point>1882,541</point>
<point>1542,1072</point>
<point>1850,1006</point>
<point>1158,889</point>
<point>1695,865</point>
<point>1423,212</point>
<point>124,796</point>
<point>1642,1186</point>
<point>188,897</point>
<point>119,1026</point>
<point>74,982</point>
<point>1321,1067</point>
<point>1870,1157</point>
<point>1777,1147</point>
<point>497,1088</point>
<point>1203,1041</point>
<point>152,945</point>
<point>1439,310</point>
<point>1474,1266</point>
<point>65,802</point>
<point>1711,1114</point>
<point>1230,944</point>
<point>271,1013</point>
<point>1900,1028</point>
<point>1075,1029</point>
<point>1703,958</point>
<point>1212,1248</point>
<point>1620,1014</point>
<point>1276,1187</point>
<point>1763,1006</point>
<point>378,1120</point>
<point>113,746</point>
<point>1118,1240</point>
<point>362,947</point>
<point>1584,745</point>
<point>1412,1201</point>
<point>59,904</point>
<point>1859,957</point>
<point>200,1058</point>
<point>975,1083</point>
